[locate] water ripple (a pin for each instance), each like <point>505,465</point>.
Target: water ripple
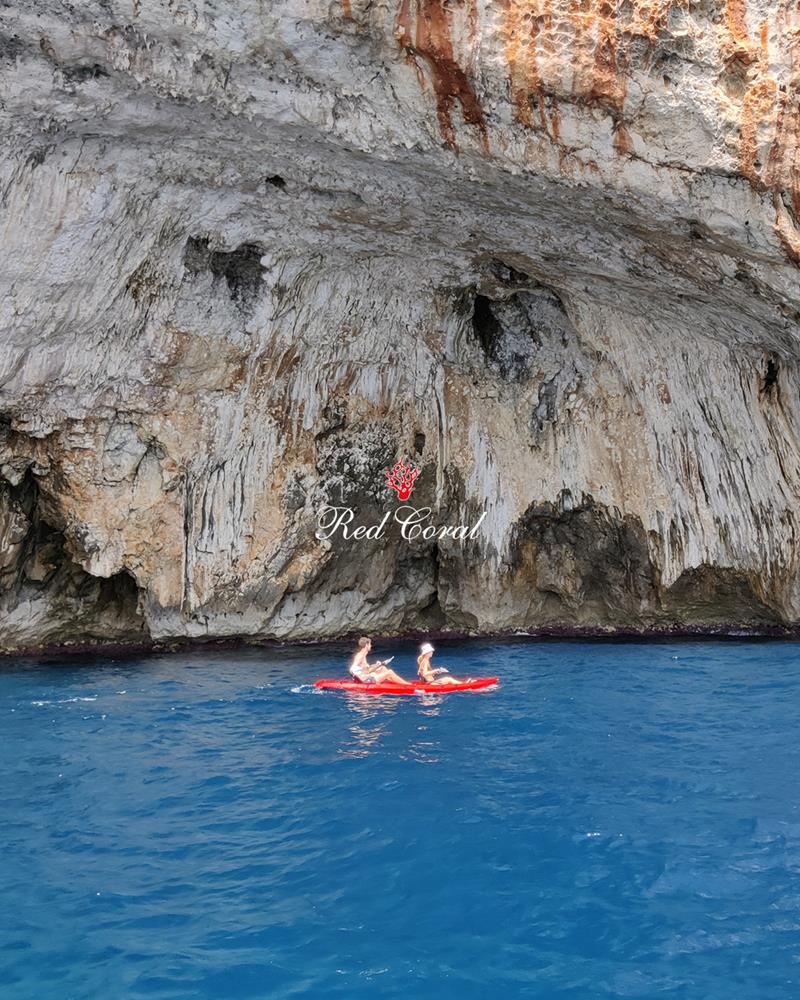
<point>617,820</point>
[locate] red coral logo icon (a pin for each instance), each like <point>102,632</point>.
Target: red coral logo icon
<point>401,478</point>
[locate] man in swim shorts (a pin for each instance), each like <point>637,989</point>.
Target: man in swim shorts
<point>372,673</point>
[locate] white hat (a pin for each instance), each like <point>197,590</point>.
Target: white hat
<point>425,648</point>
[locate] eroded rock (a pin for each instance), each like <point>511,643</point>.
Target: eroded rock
<point>253,256</point>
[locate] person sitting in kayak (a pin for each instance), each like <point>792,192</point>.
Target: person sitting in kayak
<point>372,673</point>
<point>440,676</point>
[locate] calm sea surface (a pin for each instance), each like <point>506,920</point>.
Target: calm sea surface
<point>616,820</point>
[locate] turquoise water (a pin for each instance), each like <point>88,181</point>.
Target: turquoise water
<point>616,820</point>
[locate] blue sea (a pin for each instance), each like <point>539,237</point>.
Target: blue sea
<point>614,820</point>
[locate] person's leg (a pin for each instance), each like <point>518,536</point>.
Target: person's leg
<point>387,676</point>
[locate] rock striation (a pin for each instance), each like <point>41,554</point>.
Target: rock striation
<point>256,251</point>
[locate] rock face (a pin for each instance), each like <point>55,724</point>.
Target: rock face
<point>254,252</point>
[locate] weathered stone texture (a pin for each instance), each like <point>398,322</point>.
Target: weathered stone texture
<point>255,251</point>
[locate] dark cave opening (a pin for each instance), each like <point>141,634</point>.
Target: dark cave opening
<point>241,268</point>
<point>119,594</point>
<point>38,569</point>
<point>769,381</point>
<point>80,72</point>
<point>484,323</point>
<point>511,328</point>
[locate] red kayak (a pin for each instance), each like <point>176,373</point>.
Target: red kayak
<point>356,687</point>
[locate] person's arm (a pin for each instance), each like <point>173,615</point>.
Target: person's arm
<point>368,668</point>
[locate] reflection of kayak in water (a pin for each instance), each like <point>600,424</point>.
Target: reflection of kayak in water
<point>357,687</point>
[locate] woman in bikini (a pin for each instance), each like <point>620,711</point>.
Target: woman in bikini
<point>440,676</point>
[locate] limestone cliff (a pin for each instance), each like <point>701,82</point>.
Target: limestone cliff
<point>255,251</point>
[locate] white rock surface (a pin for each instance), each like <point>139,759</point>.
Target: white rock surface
<point>253,252</point>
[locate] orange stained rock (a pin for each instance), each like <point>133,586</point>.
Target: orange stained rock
<point>649,19</point>
<point>758,101</point>
<point>571,50</point>
<point>782,169</point>
<point>757,114</point>
<point>523,26</point>
<point>536,65</point>
<point>578,51</point>
<point>554,50</point>
<point>609,85</point>
<point>769,117</point>
<point>736,20</point>
<point>424,31</point>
